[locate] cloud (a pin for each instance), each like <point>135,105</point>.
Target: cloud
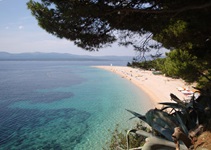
<point>20,27</point>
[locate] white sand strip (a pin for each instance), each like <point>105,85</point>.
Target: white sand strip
<point>158,87</point>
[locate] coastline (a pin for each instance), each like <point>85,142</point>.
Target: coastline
<point>157,87</point>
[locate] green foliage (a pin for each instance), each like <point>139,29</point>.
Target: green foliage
<point>73,20</point>
<point>144,65</point>
<point>152,64</point>
<point>94,24</point>
<point>159,63</point>
<point>182,64</point>
<point>175,30</point>
<point>203,82</point>
<point>118,139</point>
<point>185,115</point>
<point>129,64</point>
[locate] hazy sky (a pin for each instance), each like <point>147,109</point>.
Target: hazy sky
<point>19,32</point>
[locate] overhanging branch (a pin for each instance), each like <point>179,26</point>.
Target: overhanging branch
<point>161,11</point>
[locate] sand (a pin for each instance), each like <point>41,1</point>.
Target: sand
<point>157,87</point>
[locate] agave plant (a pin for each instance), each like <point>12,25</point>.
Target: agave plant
<point>180,120</point>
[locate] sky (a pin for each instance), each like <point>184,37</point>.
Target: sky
<point>20,32</point>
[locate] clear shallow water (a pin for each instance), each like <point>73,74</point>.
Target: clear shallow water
<point>63,105</point>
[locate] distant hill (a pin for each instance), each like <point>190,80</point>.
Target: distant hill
<point>57,56</point>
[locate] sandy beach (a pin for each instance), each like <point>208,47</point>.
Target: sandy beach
<point>157,87</point>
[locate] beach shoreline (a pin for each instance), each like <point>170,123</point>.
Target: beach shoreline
<point>157,87</point>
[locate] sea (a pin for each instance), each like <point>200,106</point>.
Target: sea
<point>64,105</point>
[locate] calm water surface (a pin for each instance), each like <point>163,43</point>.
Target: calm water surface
<point>63,105</point>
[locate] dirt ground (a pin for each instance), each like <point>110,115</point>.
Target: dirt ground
<point>203,141</point>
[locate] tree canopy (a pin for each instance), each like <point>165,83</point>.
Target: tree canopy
<point>94,24</point>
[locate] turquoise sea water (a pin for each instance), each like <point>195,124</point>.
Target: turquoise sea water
<point>63,105</point>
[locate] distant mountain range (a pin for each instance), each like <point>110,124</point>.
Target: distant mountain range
<point>57,56</point>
